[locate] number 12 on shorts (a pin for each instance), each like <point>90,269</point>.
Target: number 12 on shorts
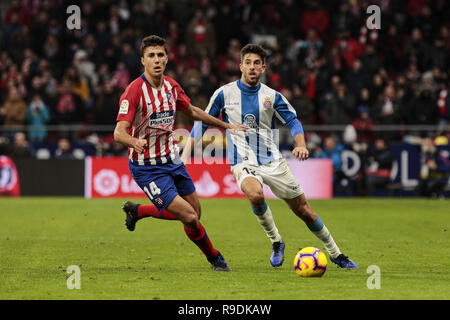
<point>154,190</point>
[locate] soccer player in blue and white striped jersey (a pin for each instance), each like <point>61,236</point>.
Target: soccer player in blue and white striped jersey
<point>254,157</point>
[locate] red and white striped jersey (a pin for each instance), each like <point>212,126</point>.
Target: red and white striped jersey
<point>151,113</point>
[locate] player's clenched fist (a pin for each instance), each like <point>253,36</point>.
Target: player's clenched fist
<point>301,153</point>
<point>139,145</point>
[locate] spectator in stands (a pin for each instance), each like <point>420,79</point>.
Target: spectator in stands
<point>349,48</point>
<point>331,150</point>
<point>38,115</point>
<point>392,50</point>
<point>311,48</point>
<point>435,170</point>
<point>315,16</point>
<point>49,83</point>
<point>303,105</point>
<point>410,52</point>
<point>356,78</point>
<point>20,148</point>
<point>363,126</point>
<point>79,85</point>
<point>365,99</point>
<point>200,35</point>
<point>14,112</point>
<point>105,108</point>
<point>343,19</point>
<point>378,167</point>
<point>121,77</point>
<point>64,150</point>
<point>85,67</point>
<point>387,111</point>
<point>69,106</point>
<point>130,58</point>
<point>341,108</point>
<point>423,109</point>
<point>417,49</point>
<point>444,105</point>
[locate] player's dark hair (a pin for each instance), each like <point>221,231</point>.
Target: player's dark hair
<point>152,41</point>
<point>256,49</point>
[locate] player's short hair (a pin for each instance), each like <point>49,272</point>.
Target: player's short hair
<point>152,41</point>
<point>256,49</point>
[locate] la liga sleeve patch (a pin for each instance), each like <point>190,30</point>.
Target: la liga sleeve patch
<point>124,107</point>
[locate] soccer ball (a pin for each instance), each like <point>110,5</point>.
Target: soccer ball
<point>310,262</point>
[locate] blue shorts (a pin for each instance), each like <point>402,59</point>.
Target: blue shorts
<point>162,183</point>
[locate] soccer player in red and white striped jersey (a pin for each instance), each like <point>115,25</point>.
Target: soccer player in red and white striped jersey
<point>145,125</point>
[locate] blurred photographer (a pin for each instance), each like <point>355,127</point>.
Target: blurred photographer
<point>379,166</point>
<point>435,170</point>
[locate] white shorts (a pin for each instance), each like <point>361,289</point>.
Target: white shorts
<point>276,174</point>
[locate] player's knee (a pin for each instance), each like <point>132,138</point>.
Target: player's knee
<point>256,198</point>
<point>190,219</point>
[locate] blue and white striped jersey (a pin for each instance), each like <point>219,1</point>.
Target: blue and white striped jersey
<point>257,108</point>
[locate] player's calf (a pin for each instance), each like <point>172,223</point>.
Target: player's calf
<point>302,209</point>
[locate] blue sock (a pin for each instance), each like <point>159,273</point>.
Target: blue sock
<point>316,226</point>
<point>261,210</point>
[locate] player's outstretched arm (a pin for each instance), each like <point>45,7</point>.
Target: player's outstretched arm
<point>121,136</point>
<point>198,114</point>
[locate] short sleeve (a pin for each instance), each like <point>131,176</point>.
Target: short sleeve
<point>214,108</point>
<point>128,103</point>
<point>216,103</point>
<point>183,101</point>
<point>284,111</point>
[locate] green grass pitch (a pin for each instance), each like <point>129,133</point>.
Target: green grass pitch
<point>408,239</point>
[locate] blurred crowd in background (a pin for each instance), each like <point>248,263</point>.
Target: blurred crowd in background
<point>322,58</point>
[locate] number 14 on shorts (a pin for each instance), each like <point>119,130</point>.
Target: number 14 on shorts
<point>154,190</point>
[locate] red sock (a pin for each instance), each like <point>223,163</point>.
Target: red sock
<point>200,238</point>
<point>149,210</point>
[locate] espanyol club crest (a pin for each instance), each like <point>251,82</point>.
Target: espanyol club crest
<point>250,121</point>
<point>267,103</point>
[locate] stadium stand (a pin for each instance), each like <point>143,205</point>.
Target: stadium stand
<point>344,80</point>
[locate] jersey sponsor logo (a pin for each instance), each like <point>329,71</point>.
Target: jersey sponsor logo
<point>161,118</point>
<point>232,103</point>
<point>124,107</point>
<point>267,103</point>
<point>250,121</point>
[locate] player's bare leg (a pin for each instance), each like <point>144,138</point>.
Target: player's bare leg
<point>254,192</point>
<point>195,230</point>
<point>303,210</point>
<point>194,202</point>
<point>135,212</point>
<point>184,212</point>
